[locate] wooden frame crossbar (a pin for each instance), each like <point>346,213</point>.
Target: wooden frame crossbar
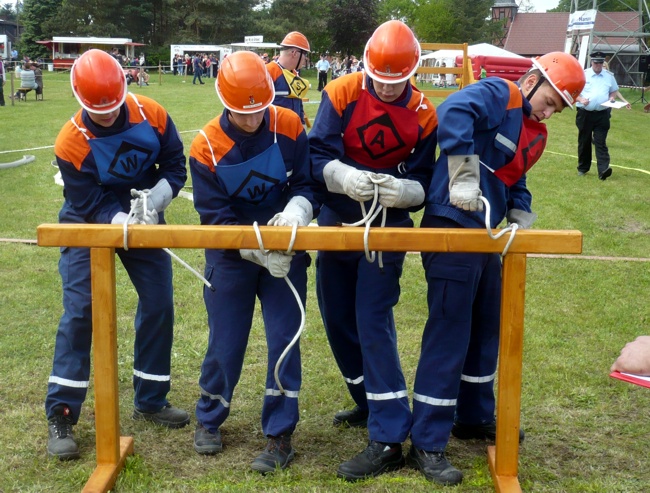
<point>112,450</point>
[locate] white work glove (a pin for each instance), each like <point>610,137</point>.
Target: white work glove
<point>297,212</point>
<point>140,215</point>
<point>341,178</point>
<point>277,263</point>
<point>464,181</point>
<point>121,218</point>
<point>399,192</point>
<point>524,219</point>
<point>158,198</point>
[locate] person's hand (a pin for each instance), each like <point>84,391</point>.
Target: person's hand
<point>635,357</point>
<point>398,192</point>
<point>464,181</point>
<point>298,212</point>
<point>341,178</point>
<point>277,263</point>
<point>524,219</point>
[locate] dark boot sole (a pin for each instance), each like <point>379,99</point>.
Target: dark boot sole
<point>390,466</point>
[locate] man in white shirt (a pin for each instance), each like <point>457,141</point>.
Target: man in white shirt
<point>323,67</point>
<point>592,119</point>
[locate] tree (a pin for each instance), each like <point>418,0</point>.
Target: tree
<point>455,21</point>
<point>351,23</point>
<point>32,17</point>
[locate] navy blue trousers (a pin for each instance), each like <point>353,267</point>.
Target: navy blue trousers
<point>460,343</point>
<point>150,272</point>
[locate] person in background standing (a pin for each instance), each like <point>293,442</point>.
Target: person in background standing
<point>323,67</point>
<point>3,81</point>
<point>197,65</point>
<point>290,88</point>
<point>113,144</point>
<point>593,119</point>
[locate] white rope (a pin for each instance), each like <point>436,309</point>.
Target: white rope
<point>368,218</point>
<point>142,196</point>
<point>276,371</point>
<point>512,228</point>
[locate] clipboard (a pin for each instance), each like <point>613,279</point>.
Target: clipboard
<point>629,377</point>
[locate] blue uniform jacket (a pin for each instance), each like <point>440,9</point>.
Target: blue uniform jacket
<point>231,147</point>
<point>86,198</point>
<point>475,121</point>
<point>339,99</point>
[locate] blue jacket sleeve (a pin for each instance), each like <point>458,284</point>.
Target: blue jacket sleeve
<point>171,158</point>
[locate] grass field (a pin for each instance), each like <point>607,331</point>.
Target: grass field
<point>584,431</point>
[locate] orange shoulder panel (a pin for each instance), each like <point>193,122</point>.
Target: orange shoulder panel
<point>289,123</point>
<point>70,144</point>
<point>219,142</point>
<point>274,69</point>
<point>516,99</point>
<point>344,90</point>
<point>427,118</point>
<point>155,113</point>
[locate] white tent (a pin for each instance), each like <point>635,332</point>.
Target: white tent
<point>477,49</point>
<point>448,57</point>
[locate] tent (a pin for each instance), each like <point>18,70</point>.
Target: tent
<point>484,49</point>
<point>484,53</point>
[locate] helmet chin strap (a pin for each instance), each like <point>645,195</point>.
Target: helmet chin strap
<point>537,85</point>
<point>297,67</point>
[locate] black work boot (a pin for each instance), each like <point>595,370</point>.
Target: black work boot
<point>355,418</point>
<point>169,416</point>
<point>206,443</point>
<point>277,455</point>
<point>434,466</point>
<point>479,432</point>
<point>61,443</point>
<point>376,459</point>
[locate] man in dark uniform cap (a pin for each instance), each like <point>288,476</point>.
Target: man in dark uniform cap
<point>592,119</point>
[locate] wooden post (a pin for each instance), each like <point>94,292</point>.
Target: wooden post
<point>103,239</point>
<point>111,451</point>
<point>503,457</point>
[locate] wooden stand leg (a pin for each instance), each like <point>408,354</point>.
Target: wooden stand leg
<point>111,449</point>
<point>503,458</point>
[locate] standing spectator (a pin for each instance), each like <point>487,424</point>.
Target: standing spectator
<point>592,119</point>
<point>489,134</point>
<point>38,77</point>
<point>483,74</point>
<point>323,67</point>
<point>351,154</point>
<point>115,53</point>
<point>198,70</point>
<point>290,88</point>
<point>113,128</point>
<point>251,138</point>
<point>3,81</point>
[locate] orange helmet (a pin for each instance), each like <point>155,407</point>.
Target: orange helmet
<point>98,82</point>
<point>564,73</point>
<point>392,53</point>
<point>243,83</point>
<point>296,40</point>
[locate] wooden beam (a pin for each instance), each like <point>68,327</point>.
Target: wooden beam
<point>307,238</point>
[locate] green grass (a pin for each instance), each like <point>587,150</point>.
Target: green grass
<point>585,431</point>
